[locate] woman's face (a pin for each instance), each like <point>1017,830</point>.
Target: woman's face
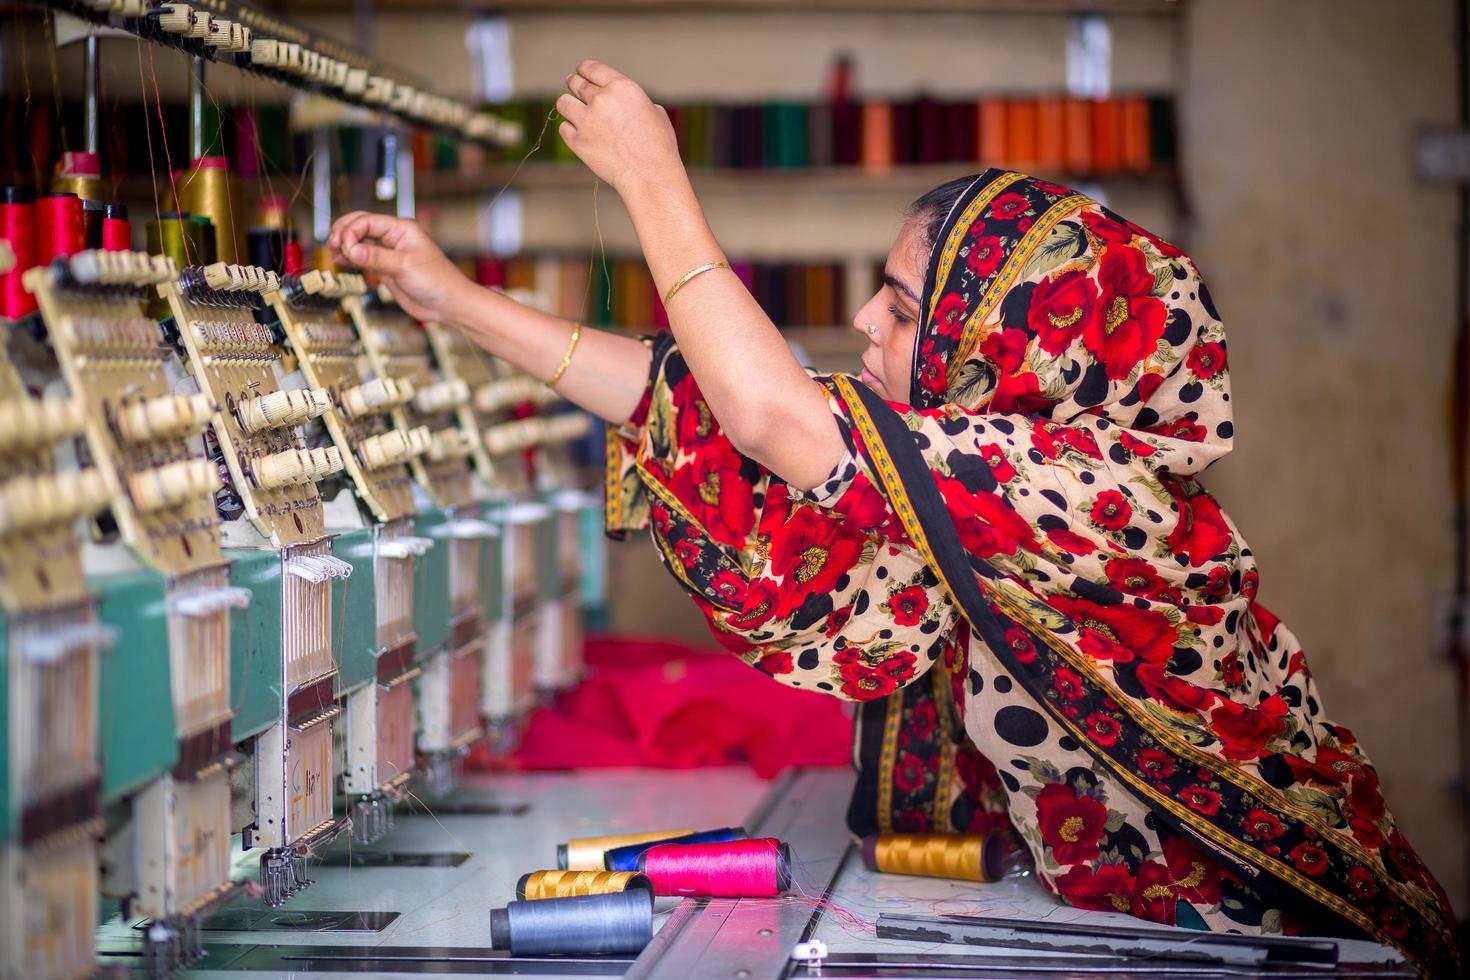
<point>888,320</point>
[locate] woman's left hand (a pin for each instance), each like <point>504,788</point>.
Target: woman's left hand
<point>614,128</point>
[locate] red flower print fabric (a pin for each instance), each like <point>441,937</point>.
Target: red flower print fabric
<point>1111,663</point>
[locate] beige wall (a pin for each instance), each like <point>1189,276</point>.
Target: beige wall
<point>1334,270</point>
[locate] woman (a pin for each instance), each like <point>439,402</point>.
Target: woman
<point>993,540</point>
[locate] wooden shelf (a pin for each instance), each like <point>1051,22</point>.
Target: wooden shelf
<point>909,179</point>
<point>1152,7</point>
<point>830,348</point>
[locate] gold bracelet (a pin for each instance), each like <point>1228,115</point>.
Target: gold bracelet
<point>566,358</point>
<point>697,270</point>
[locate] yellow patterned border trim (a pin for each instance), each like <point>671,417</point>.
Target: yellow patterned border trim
<point>898,498</point>
<point>1001,284</point>
<point>612,502</point>
<point>887,760</point>
<point>961,229</point>
<point>944,783</point>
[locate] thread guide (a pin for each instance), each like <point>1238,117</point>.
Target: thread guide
<point>237,364</point>
<point>251,40</point>
<point>399,352</point>
<point>112,358</point>
<point>328,353</point>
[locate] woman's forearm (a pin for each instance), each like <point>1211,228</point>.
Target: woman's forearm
<point>607,373</point>
<point>766,403</point>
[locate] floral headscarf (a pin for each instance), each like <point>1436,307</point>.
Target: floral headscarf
<point>1037,505</point>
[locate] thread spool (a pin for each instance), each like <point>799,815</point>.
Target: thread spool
<point>18,227</point>
<point>60,228</point>
<point>266,247</point>
<point>107,226</point>
<point>586,853</point>
<point>758,868</point>
<point>538,885</point>
<point>625,858</point>
<point>79,173</point>
<point>958,857</point>
<point>209,189</point>
<point>182,238</point>
<point>274,213</point>
<point>585,924</point>
<point>117,230</point>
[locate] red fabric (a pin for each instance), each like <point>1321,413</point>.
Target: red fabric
<point>653,702</point>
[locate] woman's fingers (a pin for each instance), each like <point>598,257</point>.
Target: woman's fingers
<point>571,108</point>
<point>366,224</point>
<point>335,238</point>
<point>374,258</point>
<point>597,73</point>
<point>568,133</point>
<point>580,86</point>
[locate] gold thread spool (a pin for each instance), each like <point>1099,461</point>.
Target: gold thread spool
<point>182,237</point>
<point>80,174</point>
<point>185,240</point>
<point>585,853</point>
<point>211,189</point>
<point>568,884</point>
<point>960,857</point>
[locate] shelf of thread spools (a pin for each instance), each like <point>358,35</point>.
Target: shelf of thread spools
<point>862,145</point>
<point>1157,7</point>
<point>810,299</point>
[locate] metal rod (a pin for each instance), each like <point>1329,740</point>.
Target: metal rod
<point>92,75</point>
<point>196,109</point>
<point>321,185</point>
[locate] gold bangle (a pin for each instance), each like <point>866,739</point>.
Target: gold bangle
<point>697,270</point>
<point>566,359</point>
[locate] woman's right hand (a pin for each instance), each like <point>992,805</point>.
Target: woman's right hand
<point>416,271</point>
<point>617,131</point>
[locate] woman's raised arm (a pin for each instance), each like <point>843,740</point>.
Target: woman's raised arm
<point>765,402</point>
<point>607,373</point>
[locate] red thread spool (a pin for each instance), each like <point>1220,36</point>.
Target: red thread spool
<point>117,230</point>
<point>18,228</point>
<point>60,228</point>
<point>107,226</point>
<point>757,868</point>
<point>293,262</point>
